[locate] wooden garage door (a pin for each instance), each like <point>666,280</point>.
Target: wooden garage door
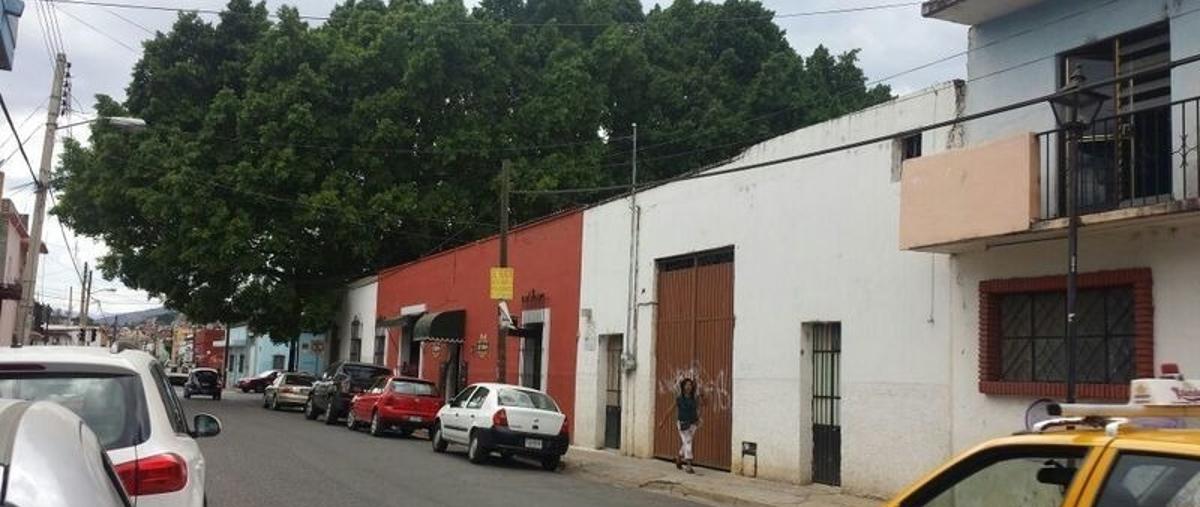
<point>694,339</point>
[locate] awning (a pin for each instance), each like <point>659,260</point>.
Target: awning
<point>441,326</point>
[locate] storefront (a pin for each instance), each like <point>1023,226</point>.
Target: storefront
<point>440,323</point>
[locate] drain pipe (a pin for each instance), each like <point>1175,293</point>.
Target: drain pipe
<point>629,356</point>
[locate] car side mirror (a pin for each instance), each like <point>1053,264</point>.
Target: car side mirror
<point>452,404</point>
<point>205,425</point>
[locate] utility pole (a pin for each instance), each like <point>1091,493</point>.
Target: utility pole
<point>85,296</point>
<point>501,329</point>
<point>29,274</point>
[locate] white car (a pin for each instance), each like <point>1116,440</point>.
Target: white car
<point>506,419</point>
<point>127,401</point>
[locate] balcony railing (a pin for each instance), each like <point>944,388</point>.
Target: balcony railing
<point>1138,158</point>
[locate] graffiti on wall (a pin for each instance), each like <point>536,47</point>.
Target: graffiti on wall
<point>713,387</point>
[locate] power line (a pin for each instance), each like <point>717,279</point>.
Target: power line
<point>119,42</point>
<point>66,243</point>
<point>43,25</point>
<point>534,25</point>
<point>17,136</point>
<point>910,70</point>
<point>705,173</point>
<point>53,14</point>
<point>130,21</point>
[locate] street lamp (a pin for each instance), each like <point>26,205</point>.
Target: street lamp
<point>125,123</point>
<point>1074,109</point>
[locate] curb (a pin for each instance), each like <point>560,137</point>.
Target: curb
<point>663,486</point>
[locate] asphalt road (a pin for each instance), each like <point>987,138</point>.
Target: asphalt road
<point>264,458</point>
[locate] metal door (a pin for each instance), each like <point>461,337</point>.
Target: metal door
<point>612,393</point>
<point>826,403</point>
<point>531,357</point>
<point>694,339</point>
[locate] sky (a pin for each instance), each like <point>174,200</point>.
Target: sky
<point>103,43</point>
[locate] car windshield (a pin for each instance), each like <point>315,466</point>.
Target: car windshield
<point>298,380</point>
<point>414,388</point>
<point>112,405</point>
<point>364,374</point>
<point>526,399</point>
<point>267,373</point>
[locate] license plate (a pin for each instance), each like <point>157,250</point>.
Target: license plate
<point>416,418</point>
<point>533,443</point>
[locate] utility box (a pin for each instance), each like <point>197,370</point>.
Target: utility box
<point>10,13</point>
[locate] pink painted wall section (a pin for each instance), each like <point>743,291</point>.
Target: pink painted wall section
<point>984,191</point>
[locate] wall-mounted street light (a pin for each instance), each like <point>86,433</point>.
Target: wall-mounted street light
<point>1074,109</point>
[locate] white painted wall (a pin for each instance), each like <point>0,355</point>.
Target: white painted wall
<point>13,262</point>
<point>1168,250</point>
<point>815,240</point>
<point>358,301</point>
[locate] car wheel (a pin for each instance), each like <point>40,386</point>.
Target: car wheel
<point>475,451</point>
<point>550,463</point>
<point>266,402</point>
<point>351,424</point>
<point>310,411</point>
<point>217,397</point>
<point>330,415</point>
<point>244,390</point>
<point>187,394</point>
<point>275,402</point>
<point>439,444</point>
<point>376,425</point>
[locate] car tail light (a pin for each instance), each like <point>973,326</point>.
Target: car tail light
<point>500,419</point>
<point>563,431</point>
<point>161,473</point>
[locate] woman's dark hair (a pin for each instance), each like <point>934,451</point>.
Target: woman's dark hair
<point>683,390</point>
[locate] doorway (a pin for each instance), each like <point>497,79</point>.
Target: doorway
<point>612,391</point>
<point>826,338</point>
<point>531,356</point>
<point>694,340</point>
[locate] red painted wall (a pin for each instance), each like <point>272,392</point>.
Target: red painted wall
<point>545,256</point>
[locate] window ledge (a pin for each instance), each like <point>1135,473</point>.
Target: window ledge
<point>1108,392</point>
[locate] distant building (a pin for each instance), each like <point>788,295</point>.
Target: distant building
<point>14,241</point>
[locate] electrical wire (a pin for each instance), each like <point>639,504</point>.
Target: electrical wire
<point>53,15</point>
<point>130,21</point>
<point>17,136</point>
<point>66,243</point>
<point>45,32</point>
<point>119,42</point>
<point>848,10</point>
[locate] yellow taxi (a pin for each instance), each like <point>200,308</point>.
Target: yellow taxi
<point>1137,455</point>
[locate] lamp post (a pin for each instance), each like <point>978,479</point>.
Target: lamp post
<point>1074,109</point>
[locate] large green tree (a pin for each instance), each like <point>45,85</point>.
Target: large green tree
<point>283,158</point>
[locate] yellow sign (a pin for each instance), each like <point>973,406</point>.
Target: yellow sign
<point>502,283</point>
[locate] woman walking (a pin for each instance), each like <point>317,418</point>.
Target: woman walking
<point>687,411</point>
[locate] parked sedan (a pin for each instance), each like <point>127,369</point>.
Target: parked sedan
<point>258,383</point>
<point>203,381</point>
<point>508,419</point>
<point>288,390</point>
<point>395,403</point>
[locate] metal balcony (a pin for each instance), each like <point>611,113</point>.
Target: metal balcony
<point>1143,157</point>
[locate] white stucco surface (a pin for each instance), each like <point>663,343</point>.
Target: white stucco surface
<point>358,301</point>
<point>815,240</point>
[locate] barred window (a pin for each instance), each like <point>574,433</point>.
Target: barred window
<point>1033,336</point>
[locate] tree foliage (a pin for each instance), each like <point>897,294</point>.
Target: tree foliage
<point>283,158</point>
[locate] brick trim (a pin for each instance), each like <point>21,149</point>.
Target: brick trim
<point>1140,279</point>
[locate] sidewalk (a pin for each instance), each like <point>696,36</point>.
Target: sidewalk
<point>707,486</point>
